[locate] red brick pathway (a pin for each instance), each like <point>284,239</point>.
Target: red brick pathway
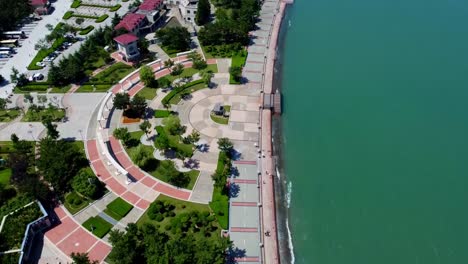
<point>71,237</point>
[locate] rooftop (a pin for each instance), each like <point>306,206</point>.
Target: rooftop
<point>149,5</point>
<point>130,21</point>
<point>38,2</point>
<point>126,39</point>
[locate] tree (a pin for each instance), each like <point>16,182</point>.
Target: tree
<point>225,145</point>
<point>141,155</point>
<point>147,76</point>
<point>79,20</point>
<point>145,127</point>
<point>138,106</point>
<point>14,75</point>
<point>174,39</point>
<point>82,258</point>
<point>116,20</point>
<point>121,101</point>
<point>3,103</point>
<point>203,12</point>
<point>51,129</point>
<point>236,72</point>
<point>177,69</point>
<point>168,64</point>
<point>122,133</point>
<point>42,99</point>
<point>49,27</point>
<point>206,77</point>
<point>172,124</point>
<point>59,161</point>
<point>164,82</point>
<point>86,184</point>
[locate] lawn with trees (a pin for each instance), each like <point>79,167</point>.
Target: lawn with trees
<point>12,12</point>
<point>174,40</point>
<point>37,113</point>
<point>230,30</point>
<point>171,231</point>
<point>220,200</point>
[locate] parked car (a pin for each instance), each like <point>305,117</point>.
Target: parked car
<point>40,64</point>
<point>36,77</point>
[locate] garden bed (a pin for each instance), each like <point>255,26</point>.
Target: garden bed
<point>222,120</point>
<point>15,226</point>
<point>75,203</point>
<point>98,226</point>
<point>40,114</point>
<point>8,115</point>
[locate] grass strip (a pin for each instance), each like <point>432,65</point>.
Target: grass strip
<point>98,226</point>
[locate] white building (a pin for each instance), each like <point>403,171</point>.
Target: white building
<point>188,8</point>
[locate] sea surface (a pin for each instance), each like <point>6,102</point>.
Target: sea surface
<point>375,130</point>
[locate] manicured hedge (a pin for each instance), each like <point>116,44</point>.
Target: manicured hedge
<point>168,97</point>
<point>86,30</point>
<point>102,18</point>
<point>115,8</point>
<point>68,15</point>
<point>76,4</point>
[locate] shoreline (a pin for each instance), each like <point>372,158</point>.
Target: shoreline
<point>271,253</point>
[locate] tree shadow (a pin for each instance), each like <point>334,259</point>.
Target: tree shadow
<point>235,155</point>
<point>233,254</point>
<point>234,172</point>
<point>234,190</point>
<point>192,164</point>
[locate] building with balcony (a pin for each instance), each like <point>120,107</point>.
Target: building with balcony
<point>127,46</point>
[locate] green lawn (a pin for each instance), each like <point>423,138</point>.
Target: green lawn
<point>193,175</point>
<point>97,88</point>
<point>221,119</point>
<point>9,114</point>
<point>75,203</point>
<point>38,116</point>
<point>180,207</point>
<point>161,113</point>
<point>60,89</point>
<point>147,93</point>
<point>118,208</point>
<point>98,226</point>
<point>175,142</point>
<point>171,53</point>
<point>5,175</point>
<point>176,99</point>
<point>239,59</point>
<point>220,206</point>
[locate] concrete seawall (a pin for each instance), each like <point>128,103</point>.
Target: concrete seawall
<point>269,236</point>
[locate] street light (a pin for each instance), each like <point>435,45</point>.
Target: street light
<point>80,131</point>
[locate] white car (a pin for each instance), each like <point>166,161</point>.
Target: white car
<point>40,64</point>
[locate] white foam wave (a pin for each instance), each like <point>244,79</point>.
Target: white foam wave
<point>278,173</point>
<point>288,194</point>
<point>291,246</point>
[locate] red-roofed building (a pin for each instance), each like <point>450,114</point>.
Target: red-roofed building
<point>41,7</point>
<point>132,23</point>
<point>150,5</point>
<point>127,46</point>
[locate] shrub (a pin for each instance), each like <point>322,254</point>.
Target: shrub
<point>76,4</point>
<point>86,30</point>
<point>116,7</point>
<point>159,218</point>
<point>102,18</point>
<point>68,15</point>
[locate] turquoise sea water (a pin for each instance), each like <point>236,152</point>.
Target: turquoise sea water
<point>375,130</point>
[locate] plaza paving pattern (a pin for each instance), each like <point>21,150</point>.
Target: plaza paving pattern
<point>248,229</point>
